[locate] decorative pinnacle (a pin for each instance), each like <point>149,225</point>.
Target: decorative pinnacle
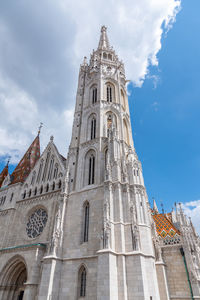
<point>103,42</point>
<point>40,127</point>
<point>51,138</point>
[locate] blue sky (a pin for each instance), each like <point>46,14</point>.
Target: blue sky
<point>160,46</point>
<point>166,118</point>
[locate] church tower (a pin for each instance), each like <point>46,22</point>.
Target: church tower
<point>106,248</point>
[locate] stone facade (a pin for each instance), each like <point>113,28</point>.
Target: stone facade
<point>82,227</point>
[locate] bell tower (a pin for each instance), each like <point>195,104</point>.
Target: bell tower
<point>105,177</point>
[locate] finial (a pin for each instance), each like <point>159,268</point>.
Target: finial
<point>162,207</point>
<point>9,157</point>
<point>51,138</point>
<point>40,127</point>
<point>84,61</point>
<point>103,28</point>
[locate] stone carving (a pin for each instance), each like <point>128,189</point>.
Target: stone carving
<point>56,232</point>
<point>135,237</point>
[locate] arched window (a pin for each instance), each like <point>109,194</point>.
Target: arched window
<point>40,171</point>
<point>109,56</point>
<point>53,186</point>
<point>86,222</point>
<point>106,157</point>
<point>4,199</point>
<point>11,197</point>
<point>94,95</point>
<point>29,194</point>
<point>46,166</point>
<point>47,188</point>
<point>33,178</point>
<point>105,55</point>
<point>35,192</point>
<point>50,168</point>
<point>126,133</point>
<point>123,100</point>
<point>93,128</point>
<point>109,93</point>
<point>41,189</point>
<point>55,173</point>
<point>82,282</point>
<point>59,184</point>
<point>24,195</point>
<point>91,169</point>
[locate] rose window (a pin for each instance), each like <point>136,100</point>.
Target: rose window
<point>36,223</point>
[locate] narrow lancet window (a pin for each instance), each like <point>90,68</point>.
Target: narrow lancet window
<point>86,222</point>
<point>83,283</point>
<point>94,95</point>
<point>109,93</point>
<point>93,129</point>
<point>91,169</point>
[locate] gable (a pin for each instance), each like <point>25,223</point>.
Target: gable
<point>47,174</point>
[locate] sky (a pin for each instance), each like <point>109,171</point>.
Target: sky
<point>41,49</point>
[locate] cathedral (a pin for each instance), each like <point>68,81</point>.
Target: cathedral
<point>81,227</point>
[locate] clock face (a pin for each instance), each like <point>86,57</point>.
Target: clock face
<point>36,223</point>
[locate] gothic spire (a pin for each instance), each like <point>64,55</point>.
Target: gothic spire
<point>28,161</point>
<point>155,208</point>
<point>103,42</point>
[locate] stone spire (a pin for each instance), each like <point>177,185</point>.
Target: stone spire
<point>155,208</point>
<point>103,42</point>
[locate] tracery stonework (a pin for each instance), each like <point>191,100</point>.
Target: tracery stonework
<point>36,223</point>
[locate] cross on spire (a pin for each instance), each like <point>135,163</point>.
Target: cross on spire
<point>40,127</point>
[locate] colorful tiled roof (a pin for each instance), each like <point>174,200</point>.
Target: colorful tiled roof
<point>3,174</point>
<point>164,226</point>
<point>27,163</point>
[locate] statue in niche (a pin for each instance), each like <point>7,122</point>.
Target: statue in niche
<point>135,237</point>
<point>57,231</point>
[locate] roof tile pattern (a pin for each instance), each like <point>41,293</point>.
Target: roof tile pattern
<point>27,163</point>
<point>164,226</point>
<point>3,174</point>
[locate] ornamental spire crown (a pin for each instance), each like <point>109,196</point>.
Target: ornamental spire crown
<point>104,42</point>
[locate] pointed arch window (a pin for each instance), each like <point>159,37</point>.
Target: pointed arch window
<point>35,192</point>
<point>109,93</point>
<point>123,99</point>
<point>33,178</point>
<point>86,222</point>
<point>40,171</point>
<point>47,188</point>
<point>55,173</point>
<point>91,169</point>
<point>93,128</point>
<point>50,168</point>
<point>94,95</point>
<point>46,166</point>
<point>11,197</point>
<point>53,186</point>
<point>82,282</point>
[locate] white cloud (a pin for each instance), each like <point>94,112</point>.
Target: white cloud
<point>192,209</point>
<point>40,58</point>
